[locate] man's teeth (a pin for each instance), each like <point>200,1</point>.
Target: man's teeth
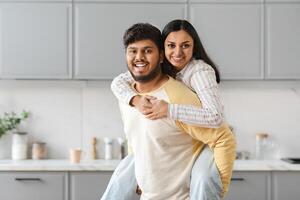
<point>140,65</point>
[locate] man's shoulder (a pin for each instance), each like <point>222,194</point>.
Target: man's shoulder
<point>179,93</point>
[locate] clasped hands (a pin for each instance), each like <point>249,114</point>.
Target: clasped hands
<point>150,106</point>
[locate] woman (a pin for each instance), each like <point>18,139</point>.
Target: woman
<point>186,59</point>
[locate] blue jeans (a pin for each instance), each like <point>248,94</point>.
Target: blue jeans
<point>205,180</point>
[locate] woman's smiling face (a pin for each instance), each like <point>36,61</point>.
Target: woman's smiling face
<point>179,47</point>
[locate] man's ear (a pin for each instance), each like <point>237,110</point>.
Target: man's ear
<point>161,56</point>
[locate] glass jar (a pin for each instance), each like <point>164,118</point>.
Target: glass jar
<point>260,146</point>
<point>19,145</point>
<point>39,150</point>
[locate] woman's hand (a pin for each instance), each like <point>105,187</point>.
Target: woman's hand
<point>158,109</point>
<point>143,103</point>
<point>150,106</point>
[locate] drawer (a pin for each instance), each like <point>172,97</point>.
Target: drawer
<point>33,185</point>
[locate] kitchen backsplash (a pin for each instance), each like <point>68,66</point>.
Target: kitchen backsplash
<point>67,114</point>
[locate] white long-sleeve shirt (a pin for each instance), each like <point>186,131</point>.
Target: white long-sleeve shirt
<point>198,76</point>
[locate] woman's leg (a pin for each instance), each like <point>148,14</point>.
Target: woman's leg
<point>205,178</point>
<point>122,185</point>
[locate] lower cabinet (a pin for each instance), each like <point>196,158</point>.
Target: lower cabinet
<point>286,185</point>
<point>33,185</point>
<point>250,186</point>
<point>88,185</point>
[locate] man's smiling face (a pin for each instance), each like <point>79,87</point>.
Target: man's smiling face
<point>143,60</point>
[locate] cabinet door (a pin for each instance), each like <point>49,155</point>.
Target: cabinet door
<point>249,186</point>
<point>232,36</point>
<point>33,185</point>
<point>283,41</point>
<point>88,185</point>
<point>35,40</point>
<point>99,28</point>
<point>286,185</point>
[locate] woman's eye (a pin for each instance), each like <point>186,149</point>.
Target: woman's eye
<point>185,46</point>
<point>171,46</point>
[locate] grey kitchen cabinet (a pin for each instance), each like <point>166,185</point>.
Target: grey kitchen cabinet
<point>286,185</point>
<point>88,185</point>
<point>282,41</point>
<point>232,36</point>
<point>249,186</point>
<point>99,28</point>
<point>33,185</point>
<point>36,40</point>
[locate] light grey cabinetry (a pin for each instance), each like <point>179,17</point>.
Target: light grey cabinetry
<point>33,185</point>
<point>283,41</point>
<point>98,31</point>
<point>88,185</point>
<point>249,186</point>
<point>286,185</point>
<point>232,35</point>
<point>35,40</point>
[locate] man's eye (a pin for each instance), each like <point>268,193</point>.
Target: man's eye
<point>148,51</point>
<point>131,51</point>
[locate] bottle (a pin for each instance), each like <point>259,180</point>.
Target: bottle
<point>19,146</point>
<point>108,148</point>
<point>94,149</point>
<point>121,142</point>
<point>260,146</point>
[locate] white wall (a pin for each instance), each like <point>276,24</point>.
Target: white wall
<point>66,114</point>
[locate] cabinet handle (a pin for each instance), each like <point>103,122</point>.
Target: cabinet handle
<point>28,179</point>
<point>237,179</point>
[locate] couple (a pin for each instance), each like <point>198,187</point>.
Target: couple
<point>169,130</point>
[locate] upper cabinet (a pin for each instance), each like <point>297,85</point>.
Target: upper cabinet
<point>282,41</point>
<point>99,28</point>
<point>82,39</point>
<point>232,36</point>
<point>35,40</point>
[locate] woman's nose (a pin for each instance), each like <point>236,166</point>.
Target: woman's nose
<point>178,51</point>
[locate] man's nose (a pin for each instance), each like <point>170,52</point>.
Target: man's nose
<point>140,56</point>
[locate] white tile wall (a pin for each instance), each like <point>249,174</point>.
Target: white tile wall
<point>67,114</point>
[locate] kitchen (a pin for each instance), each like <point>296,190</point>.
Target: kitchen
<point>62,77</point>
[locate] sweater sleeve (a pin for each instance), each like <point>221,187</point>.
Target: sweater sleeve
<point>203,82</point>
<point>121,87</point>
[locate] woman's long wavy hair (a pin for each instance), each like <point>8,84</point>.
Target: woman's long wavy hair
<point>198,51</point>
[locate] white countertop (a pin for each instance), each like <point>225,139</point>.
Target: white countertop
<point>110,165</point>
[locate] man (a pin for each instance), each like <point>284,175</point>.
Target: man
<point>165,150</point>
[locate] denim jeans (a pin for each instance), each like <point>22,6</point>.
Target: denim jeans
<point>205,183</point>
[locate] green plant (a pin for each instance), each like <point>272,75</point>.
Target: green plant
<point>11,121</point>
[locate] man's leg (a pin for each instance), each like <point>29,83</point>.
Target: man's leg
<point>205,178</point>
<point>122,185</point>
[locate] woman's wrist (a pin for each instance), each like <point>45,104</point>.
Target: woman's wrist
<point>135,100</point>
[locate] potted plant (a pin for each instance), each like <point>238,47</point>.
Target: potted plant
<point>11,121</point>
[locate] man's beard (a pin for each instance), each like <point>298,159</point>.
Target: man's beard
<point>146,78</point>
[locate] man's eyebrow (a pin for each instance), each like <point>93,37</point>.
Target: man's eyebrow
<point>148,47</point>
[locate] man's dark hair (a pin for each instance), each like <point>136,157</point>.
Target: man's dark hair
<point>142,31</point>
